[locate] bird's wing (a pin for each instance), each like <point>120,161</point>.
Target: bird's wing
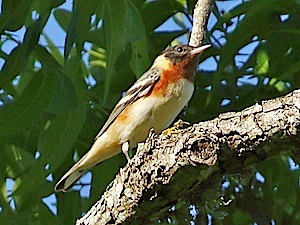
<point>140,88</point>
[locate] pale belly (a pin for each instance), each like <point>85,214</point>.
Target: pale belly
<point>156,112</point>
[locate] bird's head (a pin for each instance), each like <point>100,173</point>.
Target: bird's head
<point>181,56</point>
<point>179,53</point>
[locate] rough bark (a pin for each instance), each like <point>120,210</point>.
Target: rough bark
<point>199,155</point>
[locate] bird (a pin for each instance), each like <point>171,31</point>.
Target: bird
<point>152,102</point>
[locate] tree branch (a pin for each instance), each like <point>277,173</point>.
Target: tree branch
<point>200,155</point>
<point>200,18</point>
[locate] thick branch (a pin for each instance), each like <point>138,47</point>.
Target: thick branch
<point>234,140</point>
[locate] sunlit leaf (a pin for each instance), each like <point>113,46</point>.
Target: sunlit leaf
<point>262,66</point>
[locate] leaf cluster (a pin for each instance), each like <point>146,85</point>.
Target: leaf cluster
<point>54,99</point>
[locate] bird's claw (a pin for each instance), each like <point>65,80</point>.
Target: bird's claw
<point>181,124</point>
<point>177,125</point>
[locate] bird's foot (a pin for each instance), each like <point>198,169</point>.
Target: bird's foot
<point>177,125</point>
<point>125,149</point>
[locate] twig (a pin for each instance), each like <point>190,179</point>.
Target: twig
<point>200,18</point>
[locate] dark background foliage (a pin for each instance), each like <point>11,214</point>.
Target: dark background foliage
<point>52,104</point>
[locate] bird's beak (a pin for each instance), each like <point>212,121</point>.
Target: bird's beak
<point>197,51</point>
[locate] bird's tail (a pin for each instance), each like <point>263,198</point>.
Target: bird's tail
<point>69,179</point>
<point>101,150</point>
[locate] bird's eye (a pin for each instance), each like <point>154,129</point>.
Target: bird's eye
<point>179,49</point>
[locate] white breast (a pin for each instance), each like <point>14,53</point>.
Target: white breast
<point>155,112</point>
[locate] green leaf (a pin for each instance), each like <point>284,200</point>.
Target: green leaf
<point>160,40</point>
<point>97,57</point>
<point>114,36</point>
<point>54,145</point>
<point>248,26</point>
<point>139,61</point>
<point>262,61</point>
<point>30,105</point>
<point>71,34</point>
<point>133,24</point>
<point>135,34</point>
<point>69,206</point>
<point>239,217</point>
<point>12,66</point>
<point>278,84</point>
<point>43,7</point>
<point>45,216</point>
<point>79,25</point>
<point>65,97</point>
<point>32,36</point>
<point>54,50</point>
<point>63,17</point>
<point>25,77</point>
<point>57,141</point>
<point>18,58</point>
<point>84,9</point>
<point>36,213</point>
<point>14,14</point>
<point>46,58</point>
<point>152,18</point>
<point>191,4</point>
